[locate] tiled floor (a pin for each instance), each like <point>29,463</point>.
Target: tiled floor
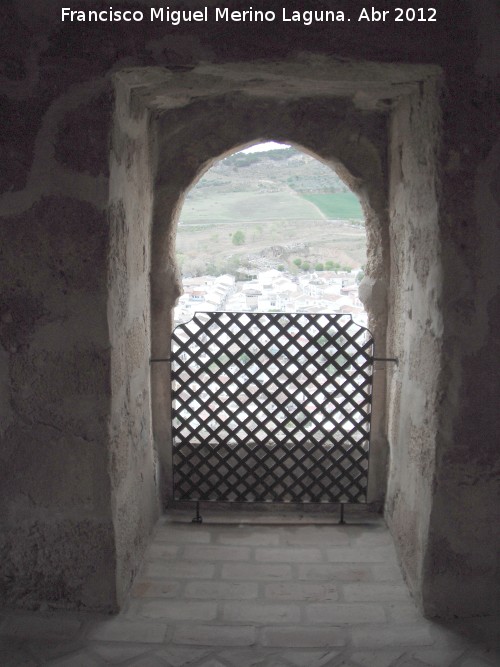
<point>246,589</point>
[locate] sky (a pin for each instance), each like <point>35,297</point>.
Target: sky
<point>266,146</point>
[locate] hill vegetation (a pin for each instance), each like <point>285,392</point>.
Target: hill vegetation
<point>268,209</point>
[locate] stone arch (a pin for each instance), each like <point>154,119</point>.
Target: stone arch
<point>169,128</point>
<point>334,134</point>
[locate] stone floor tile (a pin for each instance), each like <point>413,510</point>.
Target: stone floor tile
<point>117,654</point>
<point>147,661</point>
<point>256,571</point>
<point>476,661</point>
<point>162,551</point>
<point>437,657</point>
<point>381,636</point>
<point>471,631</point>
<point>491,655</point>
<point>216,553</point>
<point>50,649</point>
<point>284,555</point>
<point>254,598</point>
<point>376,658</point>
<point>80,659</point>
<point>315,535</point>
<point>178,656</point>
<point>310,658</point>
<point>222,590</point>
<point>333,572</point>
<point>177,610</point>
<point>303,637</point>
<point>260,612</point>
<point>341,614</point>
<point>384,554</point>
<point>248,657</point>
<point>301,591</point>
<point>386,572</point>
<point>369,536</point>
<point>215,635</point>
<point>17,660</point>
<point>179,570</point>
<point>252,538</point>
<point>46,626</point>
<point>148,588</point>
<point>445,635</point>
<point>404,613</point>
<point>120,630</point>
<point>181,534</point>
<point>377,592</point>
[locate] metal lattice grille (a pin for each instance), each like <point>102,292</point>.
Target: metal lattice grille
<point>271,407</point>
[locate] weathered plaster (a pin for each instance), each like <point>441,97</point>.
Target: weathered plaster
<point>55,400</point>
<point>415,327</point>
<point>458,574</point>
<point>75,336</point>
<point>135,501</point>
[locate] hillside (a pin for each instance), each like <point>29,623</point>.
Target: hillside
<point>271,171</point>
<point>280,204</point>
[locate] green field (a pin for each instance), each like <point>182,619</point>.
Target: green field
<point>257,209</point>
<point>268,206</point>
<point>337,206</point>
<point>248,206</point>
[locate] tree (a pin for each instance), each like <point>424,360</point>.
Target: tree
<point>297,261</point>
<point>330,265</point>
<point>319,266</point>
<point>306,266</point>
<point>238,238</point>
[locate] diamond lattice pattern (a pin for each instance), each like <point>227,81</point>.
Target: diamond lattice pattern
<point>271,407</point>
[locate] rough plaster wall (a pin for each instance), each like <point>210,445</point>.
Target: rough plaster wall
<point>56,542</point>
<point>442,501</point>
<point>415,325</point>
<point>461,571</point>
<point>132,460</point>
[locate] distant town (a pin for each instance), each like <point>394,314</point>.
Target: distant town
<point>273,291</point>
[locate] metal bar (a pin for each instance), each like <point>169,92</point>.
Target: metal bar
<point>393,359</point>
<point>198,518</point>
<point>341,520</point>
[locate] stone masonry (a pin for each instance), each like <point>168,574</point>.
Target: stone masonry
<point>243,589</point>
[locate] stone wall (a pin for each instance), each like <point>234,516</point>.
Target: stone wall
<point>444,293</point>
<point>461,564</point>
<point>79,488</point>
<point>56,537</point>
<point>133,459</point>
<point>415,330</point>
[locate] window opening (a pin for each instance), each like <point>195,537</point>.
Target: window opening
<point>275,239</point>
<point>271,229</point>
